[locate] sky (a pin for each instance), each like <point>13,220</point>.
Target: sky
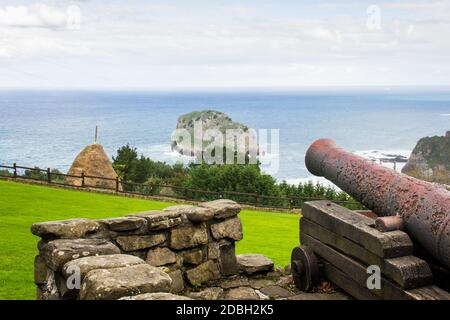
<point>111,44</point>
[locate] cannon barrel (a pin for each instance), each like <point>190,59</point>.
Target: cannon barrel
<point>424,207</point>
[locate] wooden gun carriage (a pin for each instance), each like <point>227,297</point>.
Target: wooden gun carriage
<point>404,241</point>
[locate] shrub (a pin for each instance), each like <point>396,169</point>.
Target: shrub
<point>211,181</point>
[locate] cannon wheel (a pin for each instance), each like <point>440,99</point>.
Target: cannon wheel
<point>305,269</point>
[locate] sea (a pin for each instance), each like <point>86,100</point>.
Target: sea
<point>48,128</point>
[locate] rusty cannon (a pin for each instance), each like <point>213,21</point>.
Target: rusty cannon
<point>342,244</point>
<point>423,207</point>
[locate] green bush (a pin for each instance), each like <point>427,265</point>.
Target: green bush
<point>38,174</point>
<point>204,182</point>
<point>139,169</point>
<point>35,174</point>
<point>5,173</point>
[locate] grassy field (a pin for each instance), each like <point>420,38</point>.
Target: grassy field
<point>272,234</point>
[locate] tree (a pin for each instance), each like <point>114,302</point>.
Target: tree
<point>125,162</point>
<point>214,180</point>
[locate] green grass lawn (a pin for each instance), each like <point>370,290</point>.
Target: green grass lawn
<point>21,205</point>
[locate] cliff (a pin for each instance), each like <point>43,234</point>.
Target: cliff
<point>430,160</point>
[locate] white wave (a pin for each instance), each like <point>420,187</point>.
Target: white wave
<point>163,152</point>
<point>382,154</point>
<point>386,157</point>
<point>374,155</point>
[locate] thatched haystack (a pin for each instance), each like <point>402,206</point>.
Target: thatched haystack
<point>93,161</point>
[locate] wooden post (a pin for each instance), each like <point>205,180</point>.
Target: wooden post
<point>390,223</point>
<point>82,179</point>
<point>15,170</point>
<point>117,184</point>
<point>96,135</point>
<point>49,176</point>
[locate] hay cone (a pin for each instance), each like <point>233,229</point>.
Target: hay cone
<point>93,161</point>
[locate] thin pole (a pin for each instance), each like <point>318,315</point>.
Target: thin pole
<point>96,135</point>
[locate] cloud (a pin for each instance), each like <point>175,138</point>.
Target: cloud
<point>137,43</point>
<point>418,5</point>
<point>34,16</point>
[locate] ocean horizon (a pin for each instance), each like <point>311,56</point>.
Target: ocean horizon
<point>47,128</point>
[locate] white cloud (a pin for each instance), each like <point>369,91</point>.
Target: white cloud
<point>36,15</point>
<point>139,44</point>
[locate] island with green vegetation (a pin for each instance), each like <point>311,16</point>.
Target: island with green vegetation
<point>207,120</point>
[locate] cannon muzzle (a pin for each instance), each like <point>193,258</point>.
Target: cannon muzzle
<point>424,207</point>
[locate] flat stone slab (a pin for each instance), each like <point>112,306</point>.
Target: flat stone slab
<point>65,229</point>
<point>132,243</point>
<point>40,270</point>
<point>276,292</point>
<point>112,284</point>
<point>234,282</point>
<point>254,263</point>
<point>159,220</point>
<point>160,257</point>
<point>222,208</point>
<point>195,256</point>
<point>213,250</point>
<point>242,293</point>
<point>227,259</point>
<point>177,281</point>
<point>261,283</point>
<point>213,293</point>
<point>205,272</point>
<point>320,296</point>
<point>194,214</point>
<point>58,252</point>
<point>124,223</point>
<point>156,296</point>
<point>110,261</point>
<point>188,236</point>
<point>285,281</point>
<point>230,228</point>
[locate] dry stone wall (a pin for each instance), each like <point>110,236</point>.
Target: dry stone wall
<point>144,253</point>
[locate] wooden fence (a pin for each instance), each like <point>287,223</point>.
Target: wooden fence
<point>170,191</point>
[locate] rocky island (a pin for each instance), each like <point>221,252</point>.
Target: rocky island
<point>430,160</point>
<point>208,120</point>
